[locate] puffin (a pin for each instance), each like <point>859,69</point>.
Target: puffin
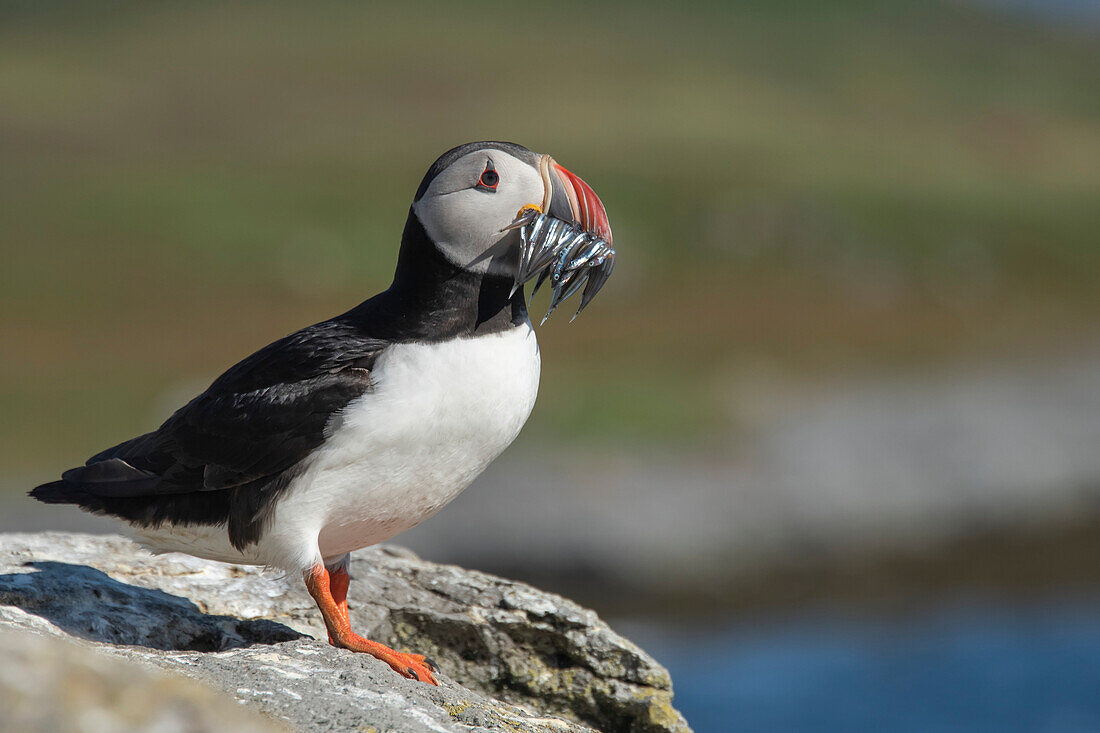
<point>350,431</point>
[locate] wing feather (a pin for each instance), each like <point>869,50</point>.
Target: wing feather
<point>241,437</point>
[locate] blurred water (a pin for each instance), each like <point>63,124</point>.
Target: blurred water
<point>973,667</point>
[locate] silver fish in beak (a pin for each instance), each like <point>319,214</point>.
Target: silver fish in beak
<point>572,254</point>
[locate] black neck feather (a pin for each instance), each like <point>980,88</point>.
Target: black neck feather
<point>432,299</point>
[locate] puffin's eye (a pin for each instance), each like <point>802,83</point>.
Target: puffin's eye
<point>489,178</point>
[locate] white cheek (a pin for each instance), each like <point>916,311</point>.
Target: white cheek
<point>466,223</point>
<point>461,223</point>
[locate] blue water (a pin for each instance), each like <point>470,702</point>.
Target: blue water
<point>962,668</point>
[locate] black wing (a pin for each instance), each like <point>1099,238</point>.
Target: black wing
<point>227,455</point>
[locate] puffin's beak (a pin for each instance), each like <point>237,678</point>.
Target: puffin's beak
<point>569,198</point>
<point>566,240</point>
<point>584,204</point>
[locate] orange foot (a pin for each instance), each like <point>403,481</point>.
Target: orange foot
<point>413,666</point>
<point>330,592</point>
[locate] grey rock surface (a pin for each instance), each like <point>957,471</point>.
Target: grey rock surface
<point>49,685</point>
<point>512,658</point>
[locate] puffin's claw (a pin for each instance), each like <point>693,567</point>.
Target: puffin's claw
<point>569,256</point>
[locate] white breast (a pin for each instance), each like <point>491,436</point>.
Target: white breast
<point>437,416</point>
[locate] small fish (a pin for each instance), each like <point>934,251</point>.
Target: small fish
<point>565,253</point>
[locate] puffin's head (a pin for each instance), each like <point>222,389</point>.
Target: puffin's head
<point>473,192</point>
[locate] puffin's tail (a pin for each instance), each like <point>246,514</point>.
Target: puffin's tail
<point>56,492</point>
<point>89,485</point>
<point>107,477</point>
<point>114,487</point>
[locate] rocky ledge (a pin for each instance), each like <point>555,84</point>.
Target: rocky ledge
<point>512,658</point>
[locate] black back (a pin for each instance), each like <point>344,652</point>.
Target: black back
<point>229,454</point>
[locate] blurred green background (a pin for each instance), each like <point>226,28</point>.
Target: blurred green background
<point>825,186</point>
<point>813,203</point>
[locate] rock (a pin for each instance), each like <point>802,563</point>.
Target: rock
<point>512,657</point>
<point>49,684</point>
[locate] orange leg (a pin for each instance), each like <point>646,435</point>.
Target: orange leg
<point>330,591</point>
<point>338,582</point>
